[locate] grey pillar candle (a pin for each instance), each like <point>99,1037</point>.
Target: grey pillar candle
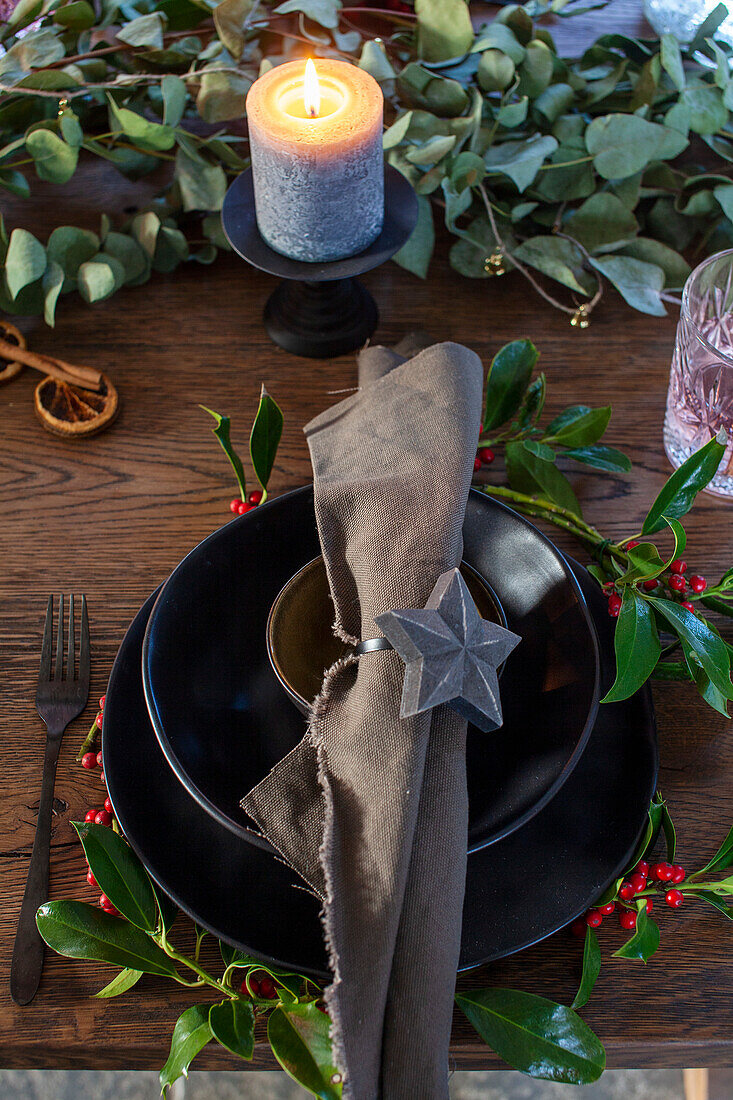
<point>317,161</point>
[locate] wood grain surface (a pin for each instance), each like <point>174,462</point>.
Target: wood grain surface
<point>112,516</point>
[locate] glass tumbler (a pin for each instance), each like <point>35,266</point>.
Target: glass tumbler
<point>700,396</point>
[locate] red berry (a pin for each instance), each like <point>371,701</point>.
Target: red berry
<point>106,904</point>
<point>99,759</point>
<point>477,464</point>
<point>486,455</point>
<point>687,605</point>
<point>650,584</point>
<point>234,506</point>
<point>627,891</point>
<point>593,918</point>
<point>678,566</point>
<point>103,818</point>
<point>481,428</point>
<point>244,990</point>
<point>255,496</point>
<point>101,702</point>
<point>698,583</point>
<point>633,543</point>
<point>98,720</point>
<point>91,879</point>
<point>677,582</point>
<point>678,874</point>
<point>267,988</point>
<point>614,605</point>
<point>649,905</point>
<point>90,815</point>
<point>103,780</point>
<point>674,898</point>
<point>657,871</point>
<point>88,760</point>
<point>642,868</point>
<point>244,508</point>
<point>578,928</point>
<point>108,806</point>
<point>638,882</point>
<point>627,920</point>
<point>606,910</point>
<point>254,985</point>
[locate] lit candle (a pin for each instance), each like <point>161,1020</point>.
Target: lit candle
<point>317,162</point>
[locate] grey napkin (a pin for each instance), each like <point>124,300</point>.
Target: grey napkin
<point>369,808</point>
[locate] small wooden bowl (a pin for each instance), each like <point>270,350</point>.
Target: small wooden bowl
<point>300,642</point>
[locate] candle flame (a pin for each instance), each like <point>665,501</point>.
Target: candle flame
<point>311,90</point>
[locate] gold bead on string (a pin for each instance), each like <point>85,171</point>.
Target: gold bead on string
<point>494,264</point>
<point>581,317</point>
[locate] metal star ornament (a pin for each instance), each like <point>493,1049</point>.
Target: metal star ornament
<point>451,654</point>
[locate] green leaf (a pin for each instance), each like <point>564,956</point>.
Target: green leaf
<point>708,646</point>
<point>520,160</point>
<point>83,931</point>
<point>541,450</point>
<point>232,1024</point>
<point>675,267</point>
<point>600,458</point>
<point>495,71</point>
<point>230,20</point>
<point>374,60</point>
<point>716,902</point>
<point>53,280</point>
<point>670,836</point>
<point>431,151</point>
<point>672,60</point>
<point>723,858</point>
<point>325,12</point>
<point>77,16</point>
<point>265,438</point>
<point>166,909</point>
<point>145,134</point>
<point>637,282</point>
<point>509,376</point>
<point>70,247</point>
<point>394,134</point>
<point>578,426</point>
<point>533,402</point>
<point>427,91</point>
<point>645,939</point>
<point>637,646</point>
<point>557,258</point>
<point>96,281</point>
<point>535,71</point>
<point>71,129</point>
<point>127,251</point>
<point>145,30</point>
<point>123,981</point>
<point>415,254</point>
<point>203,185</point>
<point>443,29</point>
<point>190,1035</point>
<point>591,968</point>
<point>497,36</point>
<point>602,220</point>
<point>54,159</point>
<point>221,431</point>
<point>15,182</point>
<point>535,1035</point>
<point>679,492</point>
<point>624,144</point>
<point>300,1039</point>
<point>174,99</point>
<point>25,261</point>
<point>120,874</point>
<point>704,107</point>
<point>222,95</point>
<point>536,477</point>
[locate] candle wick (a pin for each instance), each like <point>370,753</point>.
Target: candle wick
<point>312,113</point>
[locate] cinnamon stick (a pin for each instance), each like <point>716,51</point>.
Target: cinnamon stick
<point>85,377</point>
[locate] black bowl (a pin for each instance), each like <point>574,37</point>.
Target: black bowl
<point>222,718</point>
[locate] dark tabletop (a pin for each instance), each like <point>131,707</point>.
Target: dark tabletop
<point>113,515</point>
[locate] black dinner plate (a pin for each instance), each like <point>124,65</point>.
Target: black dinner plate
<point>223,720</point>
<point>518,891</point>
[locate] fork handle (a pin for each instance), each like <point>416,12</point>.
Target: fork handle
<point>25,969</point>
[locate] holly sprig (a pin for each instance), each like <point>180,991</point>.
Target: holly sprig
<point>647,884</point>
<point>264,440</point>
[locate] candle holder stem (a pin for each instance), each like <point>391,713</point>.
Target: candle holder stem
<point>320,320</point>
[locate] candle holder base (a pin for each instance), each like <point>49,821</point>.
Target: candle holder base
<point>320,311</point>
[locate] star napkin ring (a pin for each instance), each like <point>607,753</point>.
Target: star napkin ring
<point>451,654</point>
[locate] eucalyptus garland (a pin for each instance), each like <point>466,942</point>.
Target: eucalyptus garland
<point>602,168</point>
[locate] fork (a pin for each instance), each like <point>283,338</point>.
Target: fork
<point>58,701</point>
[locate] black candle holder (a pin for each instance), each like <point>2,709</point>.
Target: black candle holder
<point>320,310</point>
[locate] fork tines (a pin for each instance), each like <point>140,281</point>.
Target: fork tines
<point>83,667</point>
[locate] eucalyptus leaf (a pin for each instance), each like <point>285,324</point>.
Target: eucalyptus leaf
<point>85,932</point>
<point>25,261</point>
<point>374,60</point>
<point>623,144</point>
<point>265,438</point>
<point>535,1035</point>
<point>520,160</point>
<point>203,185</point>
<point>675,267</point>
<point>146,134</point>
<point>637,645</point>
<point>444,29</point>
<point>558,258</point>
<point>145,30</point>
<point>96,281</point>
<point>190,1035</point>
<point>602,220</point>
<point>222,95</point>
<point>638,282</point>
<point>230,19</point>
<point>77,16</point>
<point>174,95</point>
<point>324,12</point>
<point>591,969</point>
<point>679,492</point>
<point>671,57</point>
<point>54,159</point>
<point>300,1040</point>
<point>417,251</point>
<point>120,874</point>
<point>53,280</point>
<point>495,71</point>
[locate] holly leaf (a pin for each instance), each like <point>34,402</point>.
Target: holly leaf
<point>679,492</point>
<point>707,645</point>
<point>300,1039</point>
<point>591,968</point>
<point>723,858</point>
<point>645,939</point>
<point>578,426</point>
<point>507,381</point>
<point>86,932</point>
<point>637,646</point>
<point>120,874</point>
<point>528,473</point>
<point>265,438</point>
<point>123,981</point>
<point>232,1024</point>
<point>190,1035</point>
<point>600,458</point>
<point>221,431</point>
<point>534,1035</point>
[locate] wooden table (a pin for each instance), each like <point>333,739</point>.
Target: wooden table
<point>112,516</point>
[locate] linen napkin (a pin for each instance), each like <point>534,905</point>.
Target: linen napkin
<point>369,808</point>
